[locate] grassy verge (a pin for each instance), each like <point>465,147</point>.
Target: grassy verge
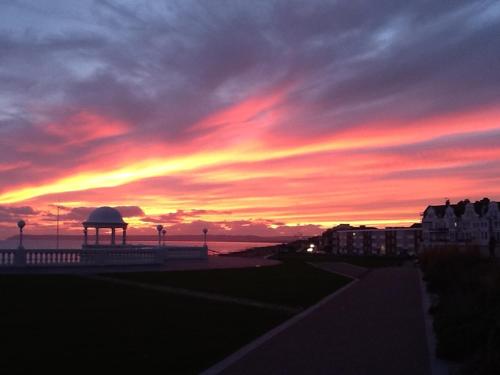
<point>66,323</point>
<point>358,260</point>
<point>467,315</point>
<point>291,283</point>
<point>62,323</point>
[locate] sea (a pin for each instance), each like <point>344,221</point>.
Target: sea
<point>215,247</point>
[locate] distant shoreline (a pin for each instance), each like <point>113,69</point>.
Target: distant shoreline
<point>210,238</point>
<point>253,252</point>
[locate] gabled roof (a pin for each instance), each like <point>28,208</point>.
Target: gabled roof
<point>480,207</point>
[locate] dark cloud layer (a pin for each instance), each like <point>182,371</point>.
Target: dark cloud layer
<point>180,216</point>
<point>161,66</point>
<point>80,214</point>
<point>179,222</point>
<point>244,227</point>
<point>10,214</point>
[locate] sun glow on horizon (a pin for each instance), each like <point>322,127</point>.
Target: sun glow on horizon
<point>292,181</point>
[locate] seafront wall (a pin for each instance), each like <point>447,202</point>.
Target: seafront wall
<point>97,256</point>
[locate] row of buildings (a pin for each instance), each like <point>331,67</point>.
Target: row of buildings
<point>475,223</point>
<point>345,239</point>
<point>462,224</point>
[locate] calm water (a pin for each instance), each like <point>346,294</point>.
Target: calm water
<point>219,247</point>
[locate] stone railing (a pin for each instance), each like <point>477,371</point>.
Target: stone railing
<point>7,258</point>
<point>117,256</point>
<point>51,257</point>
<point>184,252</point>
<point>39,257</point>
<point>133,255</point>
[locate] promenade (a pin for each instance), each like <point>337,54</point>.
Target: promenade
<point>375,326</point>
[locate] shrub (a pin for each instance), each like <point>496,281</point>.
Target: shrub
<point>467,315</point>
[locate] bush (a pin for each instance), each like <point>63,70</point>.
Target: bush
<point>448,267</point>
<point>467,315</point>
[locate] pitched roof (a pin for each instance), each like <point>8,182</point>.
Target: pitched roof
<point>480,207</point>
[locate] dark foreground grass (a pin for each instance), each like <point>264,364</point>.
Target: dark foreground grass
<point>65,324</point>
<point>368,261</point>
<point>291,283</point>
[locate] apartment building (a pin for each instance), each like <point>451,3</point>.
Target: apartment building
<point>362,240</point>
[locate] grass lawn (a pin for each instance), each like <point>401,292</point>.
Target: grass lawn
<point>292,283</point>
<point>53,324</point>
<point>358,260</point>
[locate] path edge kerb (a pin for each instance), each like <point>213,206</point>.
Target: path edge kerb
<point>233,358</point>
<point>437,366</point>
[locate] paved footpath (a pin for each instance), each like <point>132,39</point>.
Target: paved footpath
<point>374,327</point>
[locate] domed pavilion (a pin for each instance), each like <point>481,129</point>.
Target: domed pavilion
<point>105,218</point>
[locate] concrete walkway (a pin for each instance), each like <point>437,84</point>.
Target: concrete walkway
<point>213,262</point>
<point>374,327</point>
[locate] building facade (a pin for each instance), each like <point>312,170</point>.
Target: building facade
<point>462,224</point>
<point>347,240</point>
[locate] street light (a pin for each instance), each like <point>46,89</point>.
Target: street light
<point>164,233</point>
<point>159,228</point>
<point>205,231</point>
<point>21,224</point>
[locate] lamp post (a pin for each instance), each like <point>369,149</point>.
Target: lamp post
<point>159,228</point>
<point>21,224</point>
<point>205,231</point>
<point>164,233</point>
<point>57,229</point>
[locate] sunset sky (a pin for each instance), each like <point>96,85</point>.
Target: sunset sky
<point>265,117</point>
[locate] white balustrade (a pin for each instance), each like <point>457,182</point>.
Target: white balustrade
<point>7,258</point>
<point>113,256</point>
<point>193,252</point>
<point>134,255</point>
<point>51,257</point>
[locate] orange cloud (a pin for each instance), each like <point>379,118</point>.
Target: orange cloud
<point>369,174</point>
<point>84,127</point>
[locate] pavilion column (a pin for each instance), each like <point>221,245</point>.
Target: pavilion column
<point>97,236</point>
<point>124,238</point>
<point>85,236</point>
<point>112,236</point>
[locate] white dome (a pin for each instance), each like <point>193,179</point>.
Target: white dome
<point>105,215</point>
